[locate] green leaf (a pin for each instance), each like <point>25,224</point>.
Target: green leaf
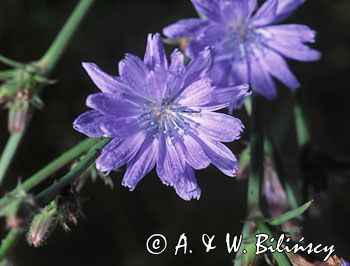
<point>290,215</point>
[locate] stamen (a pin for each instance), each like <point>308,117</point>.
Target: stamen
<point>241,41</point>
<point>166,119</point>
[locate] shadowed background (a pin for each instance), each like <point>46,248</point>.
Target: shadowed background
<point>119,222</point>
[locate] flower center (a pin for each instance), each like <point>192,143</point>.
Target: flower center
<point>241,40</point>
<point>165,119</point>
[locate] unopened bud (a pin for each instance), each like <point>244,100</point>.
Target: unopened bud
<point>273,191</point>
<point>42,226</point>
<point>18,115</point>
<point>244,162</point>
<point>18,211</point>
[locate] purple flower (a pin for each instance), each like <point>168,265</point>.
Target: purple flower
<point>344,263</point>
<point>249,47</point>
<point>162,114</point>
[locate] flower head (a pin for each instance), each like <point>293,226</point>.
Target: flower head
<point>249,47</point>
<point>161,114</point>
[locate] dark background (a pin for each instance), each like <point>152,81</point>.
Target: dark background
<point>118,221</point>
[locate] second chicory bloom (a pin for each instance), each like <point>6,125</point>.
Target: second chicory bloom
<point>162,115</point>
<point>249,47</point>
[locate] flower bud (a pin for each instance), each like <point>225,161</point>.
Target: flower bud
<point>42,226</point>
<point>273,190</point>
<point>18,114</point>
<point>19,210</point>
<point>244,162</point>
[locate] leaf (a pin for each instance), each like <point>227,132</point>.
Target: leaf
<point>290,215</point>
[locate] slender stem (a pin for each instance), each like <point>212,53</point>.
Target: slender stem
<point>54,53</point>
<point>10,62</point>
<point>281,258</point>
<point>47,63</point>
<point>46,196</point>
<point>302,129</point>
<point>257,149</point>
<point>8,154</point>
<point>248,105</point>
<point>5,74</point>
<point>52,167</point>
<point>9,242</point>
<point>51,192</point>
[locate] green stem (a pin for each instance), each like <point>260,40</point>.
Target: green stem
<point>6,74</point>
<point>10,62</point>
<point>302,129</point>
<point>51,192</point>
<point>51,168</point>
<point>46,196</point>
<point>281,258</point>
<point>54,53</point>
<point>9,242</point>
<point>8,154</point>
<point>257,153</point>
<point>47,63</point>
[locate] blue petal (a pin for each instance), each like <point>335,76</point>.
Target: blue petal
<point>252,4</point>
<point>119,152</point>
<point>141,164</point>
<point>232,96</point>
<point>187,187</point>
<point>294,50</point>
<point>266,14</point>
<point>112,105</point>
<point>194,153</point>
<point>156,83</point>
<point>289,41</point>
<point>105,82</point>
<point>277,67</point>
<point>185,28</point>
<point>155,54</point>
<point>217,126</point>
<point>295,33</point>
<point>221,73</point>
<point>197,94</point>
<point>175,74</point>
<point>286,8</point>
<point>89,123</point>
<point>171,162</point>
<point>199,66</point>
<point>240,72</point>
<point>219,155</point>
<point>261,80</point>
<point>208,8</point>
<point>133,72</point>
<point>121,128</point>
<point>211,35</point>
<point>234,11</point>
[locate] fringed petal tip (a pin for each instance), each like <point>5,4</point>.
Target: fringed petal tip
<point>194,194</point>
<point>128,185</point>
<point>155,53</point>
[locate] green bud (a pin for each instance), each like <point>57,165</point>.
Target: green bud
<point>42,226</point>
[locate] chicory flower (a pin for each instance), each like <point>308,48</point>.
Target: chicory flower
<point>161,114</point>
<point>249,47</point>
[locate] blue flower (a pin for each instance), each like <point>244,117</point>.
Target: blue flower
<point>249,47</point>
<point>160,114</point>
